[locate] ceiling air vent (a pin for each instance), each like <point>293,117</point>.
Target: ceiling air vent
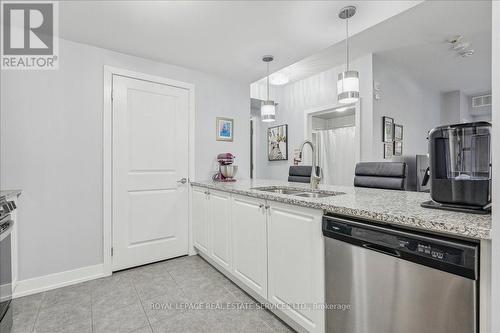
<point>479,101</point>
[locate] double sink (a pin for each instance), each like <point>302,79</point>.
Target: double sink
<point>297,192</point>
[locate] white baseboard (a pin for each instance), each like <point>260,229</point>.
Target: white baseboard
<point>57,280</point>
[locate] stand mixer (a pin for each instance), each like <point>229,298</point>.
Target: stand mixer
<point>227,170</point>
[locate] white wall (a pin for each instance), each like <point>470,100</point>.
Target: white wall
<point>495,293</point>
<point>456,107</point>
<point>451,110</point>
<point>51,147</point>
<point>411,104</point>
<point>315,91</point>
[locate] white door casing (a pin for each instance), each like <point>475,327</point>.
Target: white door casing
<point>150,155</point>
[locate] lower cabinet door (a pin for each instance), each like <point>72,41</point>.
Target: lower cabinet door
<point>219,204</point>
<point>249,231</point>
<point>296,264</point>
<point>200,226</point>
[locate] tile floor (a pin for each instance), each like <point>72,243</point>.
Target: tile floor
<point>144,300</point>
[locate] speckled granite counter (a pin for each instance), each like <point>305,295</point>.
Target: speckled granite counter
<point>9,193</point>
<point>383,206</point>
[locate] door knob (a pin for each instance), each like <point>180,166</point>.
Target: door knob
<point>182,181</point>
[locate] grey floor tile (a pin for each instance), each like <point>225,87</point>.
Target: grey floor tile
<point>115,297</point>
<point>165,307</point>
<point>27,303</point>
<point>240,321</point>
<point>57,317</point>
<point>23,323</point>
<point>207,292</point>
<point>177,295</point>
<point>197,279</point>
<point>273,321</point>
<point>184,262</point>
<point>81,327</point>
<point>153,287</point>
<point>123,320</point>
<point>70,295</point>
<point>192,321</point>
<point>156,270</point>
<point>24,312</point>
<point>145,329</point>
<point>110,284</point>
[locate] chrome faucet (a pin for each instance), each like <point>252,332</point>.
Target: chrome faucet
<point>315,178</point>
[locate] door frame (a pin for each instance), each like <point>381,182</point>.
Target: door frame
<point>107,153</point>
<point>308,114</point>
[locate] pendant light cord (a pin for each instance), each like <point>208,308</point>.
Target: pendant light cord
<point>267,79</point>
<point>347,38</point>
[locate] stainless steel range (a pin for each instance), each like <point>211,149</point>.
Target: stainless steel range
<point>6,227</point>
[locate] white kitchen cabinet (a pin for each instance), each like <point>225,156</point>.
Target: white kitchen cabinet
<point>272,248</point>
<point>200,219</point>
<point>249,243</point>
<point>296,263</point>
<point>219,206</point>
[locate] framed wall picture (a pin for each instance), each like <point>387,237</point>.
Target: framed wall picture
<point>224,129</point>
<point>388,150</point>
<point>398,132</point>
<point>277,143</point>
<point>398,148</point>
<point>388,129</point>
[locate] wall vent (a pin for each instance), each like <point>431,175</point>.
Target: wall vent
<point>479,101</point>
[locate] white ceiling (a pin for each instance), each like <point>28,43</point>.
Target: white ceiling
<point>416,40</point>
<point>226,38</point>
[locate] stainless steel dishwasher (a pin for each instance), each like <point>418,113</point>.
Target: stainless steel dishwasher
<point>385,280</point>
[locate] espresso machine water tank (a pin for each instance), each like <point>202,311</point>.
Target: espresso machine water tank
<point>460,165</point>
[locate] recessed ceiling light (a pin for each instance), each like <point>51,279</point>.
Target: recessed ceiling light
<point>278,79</point>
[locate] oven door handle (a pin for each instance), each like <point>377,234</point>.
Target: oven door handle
<point>8,229</point>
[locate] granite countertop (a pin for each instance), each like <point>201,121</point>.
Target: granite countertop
<point>400,208</point>
<point>9,193</point>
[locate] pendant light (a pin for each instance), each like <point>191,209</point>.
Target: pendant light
<point>268,107</point>
<point>348,81</point>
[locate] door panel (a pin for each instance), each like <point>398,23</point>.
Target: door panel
<point>220,226</point>
<point>249,232</point>
<point>296,263</point>
<point>200,218</point>
<point>150,153</point>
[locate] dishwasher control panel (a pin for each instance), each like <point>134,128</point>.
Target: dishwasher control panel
<point>447,254</point>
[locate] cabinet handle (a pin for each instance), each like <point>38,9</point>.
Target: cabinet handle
<point>261,206</point>
<point>267,207</point>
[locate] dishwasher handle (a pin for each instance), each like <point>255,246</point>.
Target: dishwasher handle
<point>382,249</point>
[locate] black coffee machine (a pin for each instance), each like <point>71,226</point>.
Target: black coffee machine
<point>460,168</point>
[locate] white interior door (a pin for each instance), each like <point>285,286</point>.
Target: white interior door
<point>150,156</point>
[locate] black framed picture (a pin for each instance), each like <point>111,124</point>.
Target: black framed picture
<point>398,132</point>
<point>398,148</point>
<point>388,129</point>
<point>277,143</point>
<point>388,150</point>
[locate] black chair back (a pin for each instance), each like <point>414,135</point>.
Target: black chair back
<point>301,173</point>
<point>385,175</point>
